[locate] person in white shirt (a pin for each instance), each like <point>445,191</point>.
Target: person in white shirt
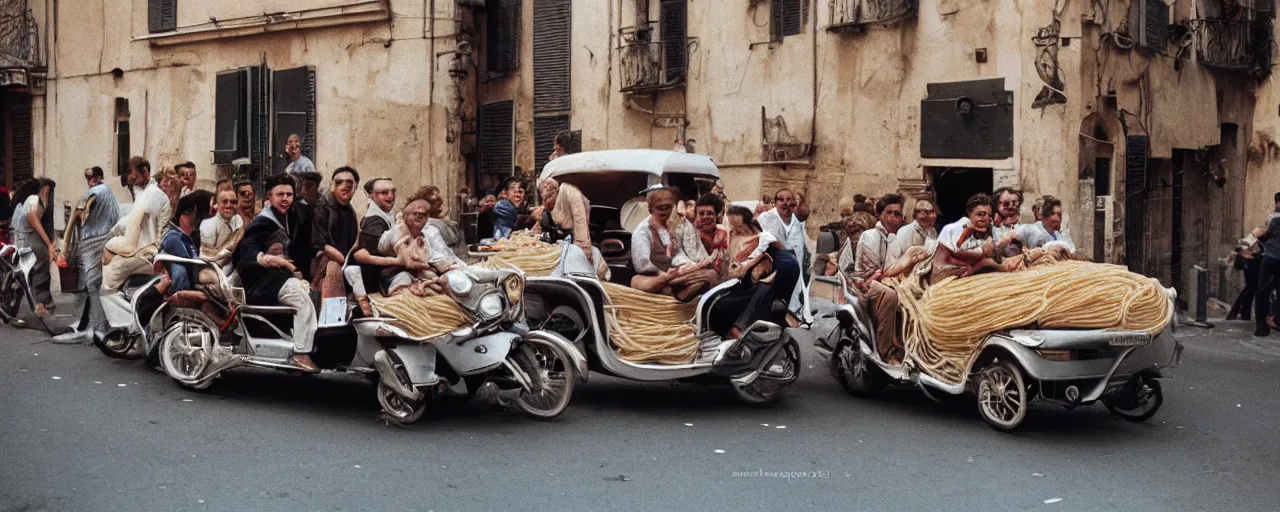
<point>658,255</point>
<point>921,232</point>
<point>221,233</point>
<point>1005,228</point>
<point>298,163</point>
<point>871,258</point>
<point>782,223</point>
<point>1047,233</point>
<point>966,246</point>
<point>136,238</point>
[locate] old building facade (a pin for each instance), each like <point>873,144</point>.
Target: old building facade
<point>1153,120</point>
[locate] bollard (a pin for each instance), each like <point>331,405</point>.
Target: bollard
<point>1201,297</point>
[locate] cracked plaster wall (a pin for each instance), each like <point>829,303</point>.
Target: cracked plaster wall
<point>381,109</point>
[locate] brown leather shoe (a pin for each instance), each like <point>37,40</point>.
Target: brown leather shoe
<point>304,363</point>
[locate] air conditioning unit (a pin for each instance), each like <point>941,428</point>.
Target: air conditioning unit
<point>1149,23</point>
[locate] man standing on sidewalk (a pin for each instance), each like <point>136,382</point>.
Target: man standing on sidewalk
<point>1269,273</point>
<point>97,213</point>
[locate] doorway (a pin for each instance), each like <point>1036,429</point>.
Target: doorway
<point>953,186</point>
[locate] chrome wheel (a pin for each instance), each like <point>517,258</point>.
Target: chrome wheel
<point>855,372</point>
<point>783,369</point>
<point>547,377</point>
<point>118,344</point>
<point>1002,396</point>
<point>395,408</point>
<point>1143,400</point>
<point>186,348</point>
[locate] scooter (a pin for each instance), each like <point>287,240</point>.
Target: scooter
<point>15,276</point>
<point>1068,367</point>
<point>131,332</point>
<point>757,365</point>
<point>224,332</point>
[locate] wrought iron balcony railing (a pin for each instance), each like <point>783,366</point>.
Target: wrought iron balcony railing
<point>854,15</point>
<point>651,66</point>
<point>19,37</point>
<point>1223,43</point>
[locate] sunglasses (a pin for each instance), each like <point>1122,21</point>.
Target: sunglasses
<point>1010,203</point>
<point>344,182</point>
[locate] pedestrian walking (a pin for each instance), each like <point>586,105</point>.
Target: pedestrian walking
<point>1248,258</point>
<point>31,234</point>
<point>94,217</point>
<point>1268,273</point>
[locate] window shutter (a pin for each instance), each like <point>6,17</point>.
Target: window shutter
<point>1135,200</point>
<point>544,138</point>
<point>496,134</point>
<point>230,124</point>
<point>1155,25</point>
<point>21,125</point>
<point>787,17</point>
<point>259,117</point>
<point>551,53</point>
<point>162,16</point>
<point>502,36</point>
<point>672,25</point>
<point>293,93</point>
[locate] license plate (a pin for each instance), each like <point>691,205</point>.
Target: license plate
<point>1130,339</point>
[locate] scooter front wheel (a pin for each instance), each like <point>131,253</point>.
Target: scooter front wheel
<point>784,367</point>
<point>1002,396</point>
<point>551,378</point>
<point>11,294</point>
<point>857,375</point>
<point>398,410</point>
<point>117,344</point>
<point>186,349</point>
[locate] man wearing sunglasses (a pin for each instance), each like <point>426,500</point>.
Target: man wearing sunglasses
<point>334,231</point>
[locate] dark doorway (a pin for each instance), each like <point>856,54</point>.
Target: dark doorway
<point>952,187</point>
<point>1101,193</point>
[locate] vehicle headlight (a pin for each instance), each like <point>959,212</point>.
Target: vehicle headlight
<point>459,282</point>
<point>514,286</point>
<point>490,306</point>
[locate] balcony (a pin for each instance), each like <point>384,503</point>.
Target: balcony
<point>19,37</point>
<point>1224,44</point>
<point>856,15</point>
<point>651,66</point>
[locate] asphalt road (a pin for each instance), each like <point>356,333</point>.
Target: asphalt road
<point>81,432</point>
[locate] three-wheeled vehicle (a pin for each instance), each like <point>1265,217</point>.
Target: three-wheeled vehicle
<point>532,371</point>
<point>1068,367</point>
<point>758,365</point>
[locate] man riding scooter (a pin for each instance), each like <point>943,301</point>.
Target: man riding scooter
<point>274,280</point>
<point>136,238</point>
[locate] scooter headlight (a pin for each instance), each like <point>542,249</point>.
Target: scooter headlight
<point>490,306</point>
<point>459,282</point>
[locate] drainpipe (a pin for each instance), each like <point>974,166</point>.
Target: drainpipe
<point>813,125</point>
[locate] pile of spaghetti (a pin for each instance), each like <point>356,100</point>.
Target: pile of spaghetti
<point>421,317</point>
<point>643,327</point>
<point>525,251</point>
<point>943,324</point>
<point>650,328</point>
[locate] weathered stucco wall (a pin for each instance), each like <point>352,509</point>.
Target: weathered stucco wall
<point>381,99</point>
<point>867,90</point>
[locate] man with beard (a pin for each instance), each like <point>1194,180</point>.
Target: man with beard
<point>334,231</point>
<point>921,232</point>
<point>271,280</point>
